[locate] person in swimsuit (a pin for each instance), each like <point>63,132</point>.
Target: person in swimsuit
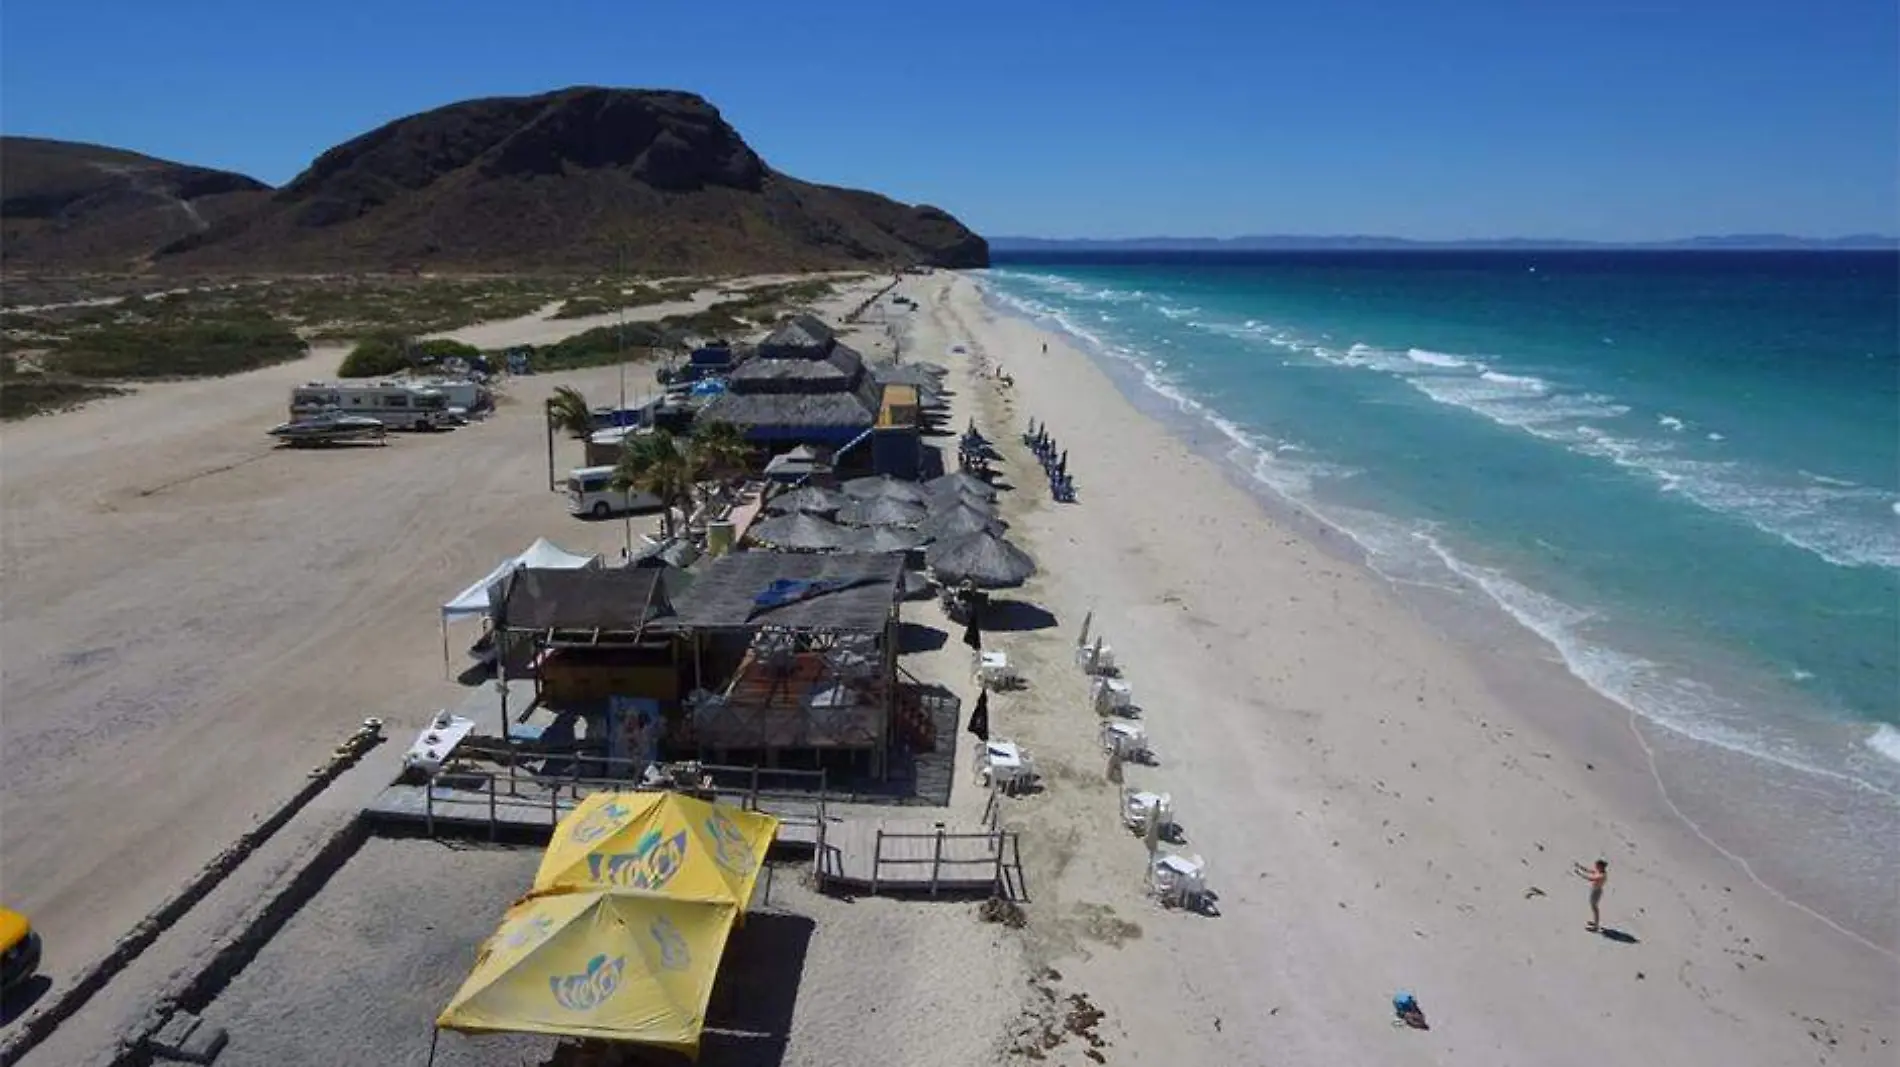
<point>1596,876</point>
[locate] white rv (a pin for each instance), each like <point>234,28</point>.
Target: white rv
<point>394,404</point>
<point>591,492</point>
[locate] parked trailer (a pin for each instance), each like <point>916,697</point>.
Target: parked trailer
<point>397,405</point>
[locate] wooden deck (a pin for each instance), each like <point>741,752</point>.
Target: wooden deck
<point>915,855</point>
<point>533,810</point>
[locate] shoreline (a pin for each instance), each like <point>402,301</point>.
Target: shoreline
<point>1509,772</point>
<point>1731,814</point>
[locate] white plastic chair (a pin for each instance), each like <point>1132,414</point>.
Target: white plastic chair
<point>1179,881</point>
<point>1126,738</point>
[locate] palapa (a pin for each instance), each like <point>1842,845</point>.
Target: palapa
<point>885,539</point>
<point>983,559</point>
<point>960,521</point>
<point>813,499</point>
<point>961,481</point>
<point>881,511</point>
<point>883,485</point>
<point>951,499</point>
<point>802,532</point>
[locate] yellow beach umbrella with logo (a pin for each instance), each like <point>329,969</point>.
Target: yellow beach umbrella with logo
<point>611,965</point>
<point>664,843</point>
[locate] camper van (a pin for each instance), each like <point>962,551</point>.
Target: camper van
<point>591,492</point>
<point>396,405</point>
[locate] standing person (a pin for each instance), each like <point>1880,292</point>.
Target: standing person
<point>1597,876</point>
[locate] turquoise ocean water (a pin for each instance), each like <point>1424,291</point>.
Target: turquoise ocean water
<point>1680,469</point>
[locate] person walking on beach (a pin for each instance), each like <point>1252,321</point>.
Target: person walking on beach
<point>1596,876</point>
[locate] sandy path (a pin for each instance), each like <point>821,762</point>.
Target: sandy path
<point>1373,804</point>
<point>193,618</point>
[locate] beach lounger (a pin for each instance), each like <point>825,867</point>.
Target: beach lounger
<point>1138,806</point>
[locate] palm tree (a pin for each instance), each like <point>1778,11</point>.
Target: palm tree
<point>717,450</point>
<point>569,413</point>
<point>655,463</point>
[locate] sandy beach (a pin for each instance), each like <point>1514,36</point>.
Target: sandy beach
<point>1380,809</point>
<point>194,618</point>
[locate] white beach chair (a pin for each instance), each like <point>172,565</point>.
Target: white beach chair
<point>1111,696</point>
<point>1138,806</point>
<point>994,670</point>
<point>1179,881</point>
<point>1128,739</point>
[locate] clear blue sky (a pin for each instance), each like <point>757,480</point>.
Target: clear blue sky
<point>1599,119</point>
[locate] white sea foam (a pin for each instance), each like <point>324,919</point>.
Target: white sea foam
<point>1435,359</point>
<point>1886,741</point>
<point>1669,422</point>
<point>1525,382</point>
<point>1410,552</point>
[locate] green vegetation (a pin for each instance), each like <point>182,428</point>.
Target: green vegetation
<point>607,297</point>
<point>569,413</point>
<point>390,353</point>
<point>170,349</point>
<point>25,391</point>
<point>671,468</point>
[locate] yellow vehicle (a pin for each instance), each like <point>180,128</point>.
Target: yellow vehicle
<point>19,949</point>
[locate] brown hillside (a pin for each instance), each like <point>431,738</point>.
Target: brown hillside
<point>582,178</point>
<point>65,205</point>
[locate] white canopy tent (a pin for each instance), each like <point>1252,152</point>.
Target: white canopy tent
<point>542,555</point>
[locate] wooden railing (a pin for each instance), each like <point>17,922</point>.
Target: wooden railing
<point>745,786</point>
<point>998,839</point>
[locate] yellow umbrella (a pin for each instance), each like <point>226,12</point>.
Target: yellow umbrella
<point>663,843</point>
<point>617,966</point>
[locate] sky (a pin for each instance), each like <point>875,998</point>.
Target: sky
<point>1605,120</point>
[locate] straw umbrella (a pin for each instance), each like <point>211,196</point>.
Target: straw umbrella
<point>885,539</point>
<point>813,499</point>
<point>881,511</point>
<point>803,532</point>
<point>883,485</point>
<point>982,559</point>
<point>961,481</point>
<point>960,521</point>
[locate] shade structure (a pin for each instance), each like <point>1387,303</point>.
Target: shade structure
<point>814,499</point>
<point>960,521</point>
<point>665,843</point>
<point>886,539</point>
<point>601,964</point>
<point>542,555</point>
<point>884,486</point>
<point>802,532</point>
<point>983,559</point>
<point>882,511</point>
<point>951,498</point>
<point>961,481</point>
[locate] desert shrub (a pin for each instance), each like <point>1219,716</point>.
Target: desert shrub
<point>238,342</point>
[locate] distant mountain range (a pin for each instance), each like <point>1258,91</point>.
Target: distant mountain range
<point>579,179</point>
<point>1290,243</point>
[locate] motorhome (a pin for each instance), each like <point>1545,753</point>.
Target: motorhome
<point>591,492</point>
<point>397,405</point>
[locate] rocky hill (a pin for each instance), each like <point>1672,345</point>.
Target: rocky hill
<point>580,179</point>
<point>69,206</point>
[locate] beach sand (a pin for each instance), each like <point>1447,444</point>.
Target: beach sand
<point>193,618</point>
<point>1380,808</point>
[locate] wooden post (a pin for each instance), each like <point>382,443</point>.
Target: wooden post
<point>428,804</point>
<point>752,796</point>
<point>997,885</point>
<point>492,818</point>
<point>877,855</point>
<point>936,861</point>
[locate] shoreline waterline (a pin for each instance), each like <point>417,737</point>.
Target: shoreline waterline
<point>1824,858</point>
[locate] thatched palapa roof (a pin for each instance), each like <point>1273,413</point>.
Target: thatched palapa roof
<point>841,592</point>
